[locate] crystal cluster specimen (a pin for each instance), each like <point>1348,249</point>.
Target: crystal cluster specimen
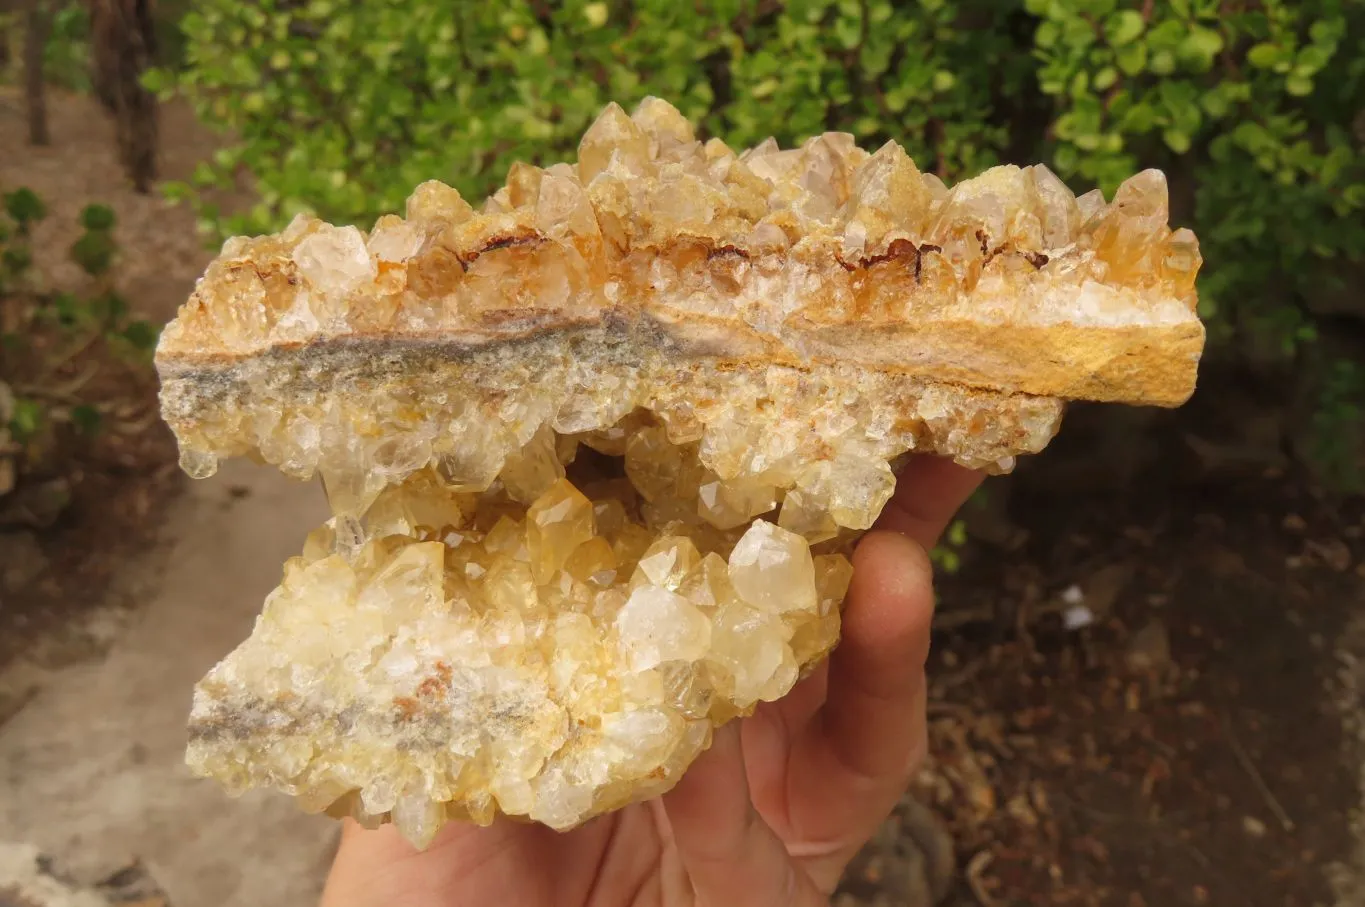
<point>596,452</point>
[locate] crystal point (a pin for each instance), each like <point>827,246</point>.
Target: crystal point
<point>613,137</point>
<point>558,522</point>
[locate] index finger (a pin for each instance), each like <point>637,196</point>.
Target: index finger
<point>850,764</point>
<point>929,491</point>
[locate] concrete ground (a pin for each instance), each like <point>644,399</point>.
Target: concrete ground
<point>91,769</point>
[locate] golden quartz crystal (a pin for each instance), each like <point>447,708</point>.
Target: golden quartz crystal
<point>596,451</point>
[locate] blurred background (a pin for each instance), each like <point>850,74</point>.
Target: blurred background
<point>1147,677</point>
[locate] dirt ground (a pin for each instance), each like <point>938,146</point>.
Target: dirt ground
<point>162,253</point>
<point>65,593</point>
<point>1144,691</point>
<point>1184,748</point>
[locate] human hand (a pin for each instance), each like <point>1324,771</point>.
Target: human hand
<point>769,816</point>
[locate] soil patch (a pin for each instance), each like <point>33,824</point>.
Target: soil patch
<point>1131,706</point>
<point>57,604</point>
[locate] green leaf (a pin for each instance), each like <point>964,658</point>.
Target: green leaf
<point>67,307</point>
<point>204,174</point>
<point>1046,35</point>
<point>765,88</point>
<point>1202,45</point>
<point>177,192</point>
<point>1124,27</point>
<point>113,307</point>
<point>1139,118</point>
<point>595,14</point>
<point>86,418</point>
<point>97,217</point>
<point>1312,59</point>
<point>16,259</point>
<point>957,533</point>
<point>26,419</point>
<point>1326,31</point>
<point>1299,85</point>
<point>158,80</point>
<point>948,560</point>
<point>1264,56</point>
<point>1215,104</point>
<point>94,252</point>
<point>1176,140</point>
<point>1132,59</point>
<point>141,334</point>
<point>24,206</point>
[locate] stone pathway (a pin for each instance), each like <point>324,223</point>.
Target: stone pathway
<point>91,769</point>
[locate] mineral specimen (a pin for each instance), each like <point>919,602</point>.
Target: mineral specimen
<point>596,452</point>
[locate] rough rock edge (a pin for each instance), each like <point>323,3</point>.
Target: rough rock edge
<point>201,391</point>
<point>1142,364</point>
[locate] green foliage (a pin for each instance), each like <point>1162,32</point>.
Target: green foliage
<point>94,250</point>
<point>24,207</point>
<point>946,555</point>
<point>66,54</point>
<point>1253,110</point>
<point>97,217</point>
<point>25,420</point>
<point>343,108</point>
<point>54,343</point>
<point>66,57</point>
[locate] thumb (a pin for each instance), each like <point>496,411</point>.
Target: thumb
<point>732,857</point>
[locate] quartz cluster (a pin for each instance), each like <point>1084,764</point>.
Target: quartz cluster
<point>596,452</point>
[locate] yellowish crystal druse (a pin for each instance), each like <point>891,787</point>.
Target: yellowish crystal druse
<point>537,663</point>
<point>595,449</point>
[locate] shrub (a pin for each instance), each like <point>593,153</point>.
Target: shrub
<point>58,350</point>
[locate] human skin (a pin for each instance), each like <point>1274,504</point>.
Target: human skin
<point>769,816</point>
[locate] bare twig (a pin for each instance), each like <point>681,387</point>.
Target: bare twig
<point>56,362</point>
<point>945,681</point>
<point>975,868</point>
<point>66,391</point>
<point>130,427</point>
<point>953,618</point>
<point>938,707</point>
<point>1244,759</point>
